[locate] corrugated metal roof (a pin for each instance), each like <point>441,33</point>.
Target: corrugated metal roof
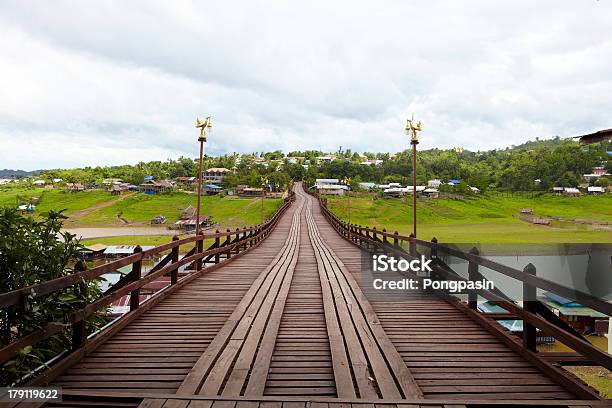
<point>124,249</point>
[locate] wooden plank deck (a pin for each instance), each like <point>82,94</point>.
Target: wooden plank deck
<point>288,325</point>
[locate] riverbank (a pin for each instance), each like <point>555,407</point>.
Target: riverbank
<point>489,218</point>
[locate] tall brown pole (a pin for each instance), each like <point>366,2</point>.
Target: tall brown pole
<point>199,187</point>
<point>414,189</point>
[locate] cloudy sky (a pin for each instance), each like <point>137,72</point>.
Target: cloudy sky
<point>119,82</point>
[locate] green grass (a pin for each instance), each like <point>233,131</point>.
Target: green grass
<point>99,208</point>
<point>130,240</point>
<point>597,377</point>
<point>484,219</point>
<point>8,194</point>
<point>55,199</point>
<point>140,208</point>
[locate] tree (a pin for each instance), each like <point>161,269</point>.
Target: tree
<point>34,251</point>
<point>603,182</point>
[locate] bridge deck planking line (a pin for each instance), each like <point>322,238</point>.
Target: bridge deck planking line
<point>391,375</point>
<point>438,342</point>
<point>302,336</point>
<point>174,333</point>
<point>219,356</point>
<point>447,354</point>
<point>264,331</point>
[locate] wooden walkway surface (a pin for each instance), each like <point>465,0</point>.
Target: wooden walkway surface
<point>288,323</point>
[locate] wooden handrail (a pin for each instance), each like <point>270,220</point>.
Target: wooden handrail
<point>40,289</point>
<point>359,235</point>
<point>245,239</point>
<point>583,298</point>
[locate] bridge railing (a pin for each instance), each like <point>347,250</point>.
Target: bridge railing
<point>226,246</point>
<point>532,313</point>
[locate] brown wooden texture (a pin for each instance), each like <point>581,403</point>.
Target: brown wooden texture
<point>293,324</point>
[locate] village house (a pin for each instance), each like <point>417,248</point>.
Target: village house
<point>571,192</point>
<point>372,162</point>
<point>74,187</point>
<point>332,189</point>
<point>327,159</point>
<point>155,187</point>
<point>581,318</point>
<point>323,182</point>
<point>435,183</point>
<point>111,181</point>
<point>390,185</point>
<point>215,175</point>
<point>367,185</point>
<point>595,190</point>
<point>244,191</point>
<point>401,191</point>
<point>188,213</point>
<point>188,182</point>
<point>295,159</point>
<point>599,170</point>
<point>558,190</point>
<point>431,192</point>
<point>212,189</point>
<point>118,189</point>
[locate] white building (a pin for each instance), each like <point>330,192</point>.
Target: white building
<point>324,182</point>
<point>367,185</point>
<point>372,162</point>
<point>332,189</point>
<point>435,183</point>
<point>595,190</point>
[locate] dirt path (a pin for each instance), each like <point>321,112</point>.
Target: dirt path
<point>98,232</point>
<point>85,212</point>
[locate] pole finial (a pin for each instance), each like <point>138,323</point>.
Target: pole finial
<point>412,129</point>
<point>204,127</point>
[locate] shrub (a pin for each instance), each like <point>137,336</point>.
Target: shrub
<point>34,251</point>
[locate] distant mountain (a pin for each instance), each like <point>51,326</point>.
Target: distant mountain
<point>18,173</point>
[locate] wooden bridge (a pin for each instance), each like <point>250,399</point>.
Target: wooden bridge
<point>275,316</point>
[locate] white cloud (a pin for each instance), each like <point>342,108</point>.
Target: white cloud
<point>122,82</point>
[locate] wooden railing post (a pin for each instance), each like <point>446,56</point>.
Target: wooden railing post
<point>434,249</point>
<point>228,240</point>
<point>175,259</point>
<point>412,245</point>
<point>396,240</point>
<point>384,235</point>
<point>473,276</point>
<point>79,329</point>
<point>237,240</point>
<point>529,297</point>
<point>245,242</point>
<point>374,234</point>
<point>199,250</point>
<point>135,276</point>
<point>217,245</point>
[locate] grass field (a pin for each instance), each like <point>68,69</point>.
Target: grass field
<point>485,219</point>
<point>140,208</point>
<point>99,208</point>
<point>154,240</point>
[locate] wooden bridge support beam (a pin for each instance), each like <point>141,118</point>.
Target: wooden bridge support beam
<point>135,276</point>
<point>473,275</point>
<point>529,296</point>
<point>79,329</point>
<point>175,259</point>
